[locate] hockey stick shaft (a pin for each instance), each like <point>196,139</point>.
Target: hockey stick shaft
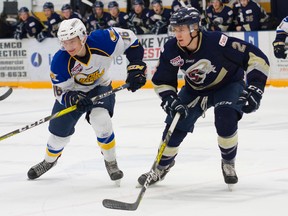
<point>6,94</point>
<point>61,113</point>
<point>114,204</point>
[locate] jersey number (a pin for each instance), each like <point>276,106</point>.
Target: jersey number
<point>238,46</point>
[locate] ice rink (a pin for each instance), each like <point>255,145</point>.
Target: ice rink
<point>195,185</point>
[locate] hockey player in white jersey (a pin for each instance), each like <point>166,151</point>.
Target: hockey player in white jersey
<point>79,71</point>
<point>279,42</point>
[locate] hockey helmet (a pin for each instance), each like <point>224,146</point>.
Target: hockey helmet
<point>138,2</point>
<point>98,4</point>
<point>156,2</point>
<point>66,7</point>
<point>185,16</point>
<point>113,4</point>
<point>48,5</point>
<point>23,10</point>
<point>70,29</point>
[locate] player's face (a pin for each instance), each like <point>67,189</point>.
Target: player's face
<point>113,11</point>
<point>157,8</point>
<point>66,13</point>
<point>98,11</point>
<point>72,46</point>
<point>182,34</point>
<point>23,16</point>
<point>138,9</point>
<point>244,3</point>
<point>216,4</point>
<point>48,12</point>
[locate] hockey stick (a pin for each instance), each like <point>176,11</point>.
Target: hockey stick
<point>114,204</point>
<point>61,113</point>
<point>6,94</point>
<point>87,3</point>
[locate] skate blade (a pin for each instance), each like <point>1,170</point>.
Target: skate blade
<point>230,187</point>
<point>117,182</point>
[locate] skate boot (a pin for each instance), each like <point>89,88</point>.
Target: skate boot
<point>158,175</point>
<point>114,172</point>
<point>40,168</point>
<point>229,173</point>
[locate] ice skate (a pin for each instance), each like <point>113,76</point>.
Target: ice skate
<point>114,172</point>
<point>229,173</point>
<point>40,168</point>
<point>157,175</point>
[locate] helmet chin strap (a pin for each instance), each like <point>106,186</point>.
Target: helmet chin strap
<point>83,45</point>
<point>192,38</point>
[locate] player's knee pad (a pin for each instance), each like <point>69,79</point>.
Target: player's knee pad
<point>176,137</point>
<point>55,147</point>
<point>101,122</point>
<point>226,121</point>
<point>228,142</point>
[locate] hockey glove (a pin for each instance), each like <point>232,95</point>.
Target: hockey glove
<point>136,75</point>
<point>41,36</point>
<point>250,99</point>
<point>83,103</point>
<point>279,49</point>
<point>172,104</point>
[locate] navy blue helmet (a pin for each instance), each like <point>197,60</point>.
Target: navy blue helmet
<point>23,10</point>
<point>66,7</point>
<point>113,4</point>
<point>138,2</point>
<point>98,4</point>
<point>185,16</point>
<point>48,5</point>
<point>156,2</point>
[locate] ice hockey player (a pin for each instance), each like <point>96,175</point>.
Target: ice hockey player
<point>279,42</point>
<point>214,66</point>
<point>79,71</point>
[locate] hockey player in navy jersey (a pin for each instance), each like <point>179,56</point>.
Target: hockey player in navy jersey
<point>279,42</point>
<point>28,27</point>
<point>214,66</point>
<point>79,71</point>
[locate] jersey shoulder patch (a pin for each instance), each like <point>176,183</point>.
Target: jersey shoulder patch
<point>223,40</point>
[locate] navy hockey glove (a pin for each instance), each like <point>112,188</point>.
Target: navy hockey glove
<point>83,103</point>
<point>136,75</point>
<point>279,49</point>
<point>250,98</point>
<point>172,104</point>
<point>41,36</point>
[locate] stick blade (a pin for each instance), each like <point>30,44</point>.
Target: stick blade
<point>6,94</point>
<point>114,204</point>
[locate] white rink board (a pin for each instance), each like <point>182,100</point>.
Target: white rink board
<point>28,60</point>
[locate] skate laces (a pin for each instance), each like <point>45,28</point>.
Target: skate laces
<point>42,167</point>
<point>112,166</point>
<point>229,169</point>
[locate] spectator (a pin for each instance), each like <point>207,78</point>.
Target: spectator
<point>138,18</point>
<point>99,19</point>
<point>67,12</point>
<point>52,24</point>
<point>249,15</point>
<point>6,28</point>
<point>28,26</point>
<point>158,18</point>
<point>219,16</point>
<point>118,18</point>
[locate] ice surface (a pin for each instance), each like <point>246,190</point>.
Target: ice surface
<point>195,186</point>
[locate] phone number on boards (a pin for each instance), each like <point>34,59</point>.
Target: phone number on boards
<point>13,74</point>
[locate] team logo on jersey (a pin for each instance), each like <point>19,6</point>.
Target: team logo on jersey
<point>113,37</point>
<point>53,77</point>
<point>197,72</point>
<point>223,40</point>
<point>77,69</point>
<point>88,79</point>
<point>178,61</point>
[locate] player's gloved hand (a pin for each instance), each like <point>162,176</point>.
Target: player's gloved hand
<point>136,75</point>
<point>41,36</point>
<point>172,104</point>
<point>250,98</point>
<point>279,49</point>
<point>83,103</point>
